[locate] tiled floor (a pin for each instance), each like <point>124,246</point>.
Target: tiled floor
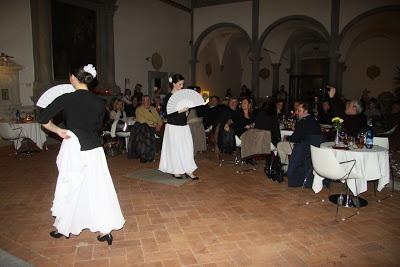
<point>224,219</point>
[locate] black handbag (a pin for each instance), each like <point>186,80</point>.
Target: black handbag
<point>273,168</point>
<point>112,149</point>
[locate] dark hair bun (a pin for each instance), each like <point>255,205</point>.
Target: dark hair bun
<point>87,78</point>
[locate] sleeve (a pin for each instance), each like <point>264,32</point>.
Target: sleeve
<point>51,110</point>
<point>275,131</point>
<point>139,115</point>
<point>100,120</point>
<point>297,135</point>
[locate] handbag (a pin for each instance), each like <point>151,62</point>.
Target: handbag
<point>273,168</point>
<point>112,149</point>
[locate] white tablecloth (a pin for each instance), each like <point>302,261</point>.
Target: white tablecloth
<point>286,132</point>
<point>371,164</point>
<point>33,131</point>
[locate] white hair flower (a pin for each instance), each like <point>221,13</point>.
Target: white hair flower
<point>170,79</point>
<point>89,68</point>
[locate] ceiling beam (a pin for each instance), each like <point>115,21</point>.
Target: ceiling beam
<point>177,5</point>
<point>204,3</point>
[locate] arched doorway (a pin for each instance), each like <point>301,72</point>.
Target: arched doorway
<point>369,48</point>
<point>222,53</point>
<point>295,49</point>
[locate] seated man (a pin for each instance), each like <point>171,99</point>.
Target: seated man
<point>148,114</point>
<point>306,125</point>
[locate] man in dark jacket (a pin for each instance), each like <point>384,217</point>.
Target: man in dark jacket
<point>306,125</point>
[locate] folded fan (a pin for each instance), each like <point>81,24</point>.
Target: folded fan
<point>184,98</point>
<point>51,94</point>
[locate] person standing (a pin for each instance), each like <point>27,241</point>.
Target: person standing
<point>177,157</point>
<point>85,197</point>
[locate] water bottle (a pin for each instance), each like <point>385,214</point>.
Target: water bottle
<point>369,137</point>
<point>18,115</point>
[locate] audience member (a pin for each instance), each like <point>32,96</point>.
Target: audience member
<point>148,114</point>
<point>325,115</point>
<point>128,103</point>
<point>138,93</point>
<point>354,121</point>
<point>244,120</point>
<point>267,120</point>
<point>373,113</point>
<point>306,125</point>
<point>118,112</point>
<point>280,110</point>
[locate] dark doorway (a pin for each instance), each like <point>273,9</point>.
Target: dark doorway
<point>74,37</point>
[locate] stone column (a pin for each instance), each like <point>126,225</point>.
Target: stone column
<point>42,46</point>
<point>339,82</point>
<point>334,42</point>
<point>105,45</point>
<point>193,57</point>
<point>255,54</point>
<point>275,77</point>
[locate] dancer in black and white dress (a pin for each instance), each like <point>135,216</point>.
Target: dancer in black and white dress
<point>177,157</point>
<point>85,197</point>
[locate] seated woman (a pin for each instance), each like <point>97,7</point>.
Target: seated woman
<point>280,112</point>
<point>268,120</point>
<point>354,121</point>
<point>325,115</point>
<point>118,112</point>
<point>244,120</point>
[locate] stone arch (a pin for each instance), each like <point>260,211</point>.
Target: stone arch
<point>315,24</point>
<point>214,27</point>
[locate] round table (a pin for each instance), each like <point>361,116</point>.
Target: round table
<point>371,164</point>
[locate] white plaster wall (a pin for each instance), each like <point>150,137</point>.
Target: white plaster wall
<point>349,9</point>
<point>212,83</point>
<point>220,80</point>
<point>142,28</point>
<point>16,41</point>
<point>376,51</point>
<point>272,10</point>
<point>237,13</point>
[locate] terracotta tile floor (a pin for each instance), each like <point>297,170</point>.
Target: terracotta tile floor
<point>224,219</point>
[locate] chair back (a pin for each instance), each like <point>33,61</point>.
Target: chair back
<point>325,164</point>
<point>9,133</point>
<point>382,141</point>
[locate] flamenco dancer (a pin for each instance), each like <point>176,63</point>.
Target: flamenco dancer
<point>177,157</point>
<point>85,197</point>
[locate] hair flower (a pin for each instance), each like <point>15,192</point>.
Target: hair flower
<point>170,79</point>
<point>89,68</point>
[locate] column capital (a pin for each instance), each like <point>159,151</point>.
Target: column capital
<point>276,65</point>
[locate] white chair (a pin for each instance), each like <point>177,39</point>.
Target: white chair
<point>383,142</point>
<point>10,132</point>
<point>326,166</point>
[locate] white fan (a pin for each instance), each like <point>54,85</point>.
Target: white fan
<point>184,98</point>
<point>51,94</point>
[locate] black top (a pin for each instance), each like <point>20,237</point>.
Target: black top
<point>83,114</point>
<point>354,124</point>
<point>269,122</point>
<point>325,117</point>
<point>305,126</point>
<point>174,118</point>
<point>239,123</point>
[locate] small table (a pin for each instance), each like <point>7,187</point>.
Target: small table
<point>33,131</point>
<point>371,164</point>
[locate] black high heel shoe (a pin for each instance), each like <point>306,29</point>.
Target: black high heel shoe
<point>107,237</point>
<point>177,176</point>
<point>194,177</point>
<point>55,234</point>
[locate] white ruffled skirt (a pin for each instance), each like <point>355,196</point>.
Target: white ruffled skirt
<point>177,150</point>
<point>85,197</point>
